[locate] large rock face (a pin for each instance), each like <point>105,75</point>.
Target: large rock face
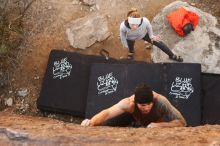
<point>85,31</point>
<point>200,46</point>
<point>20,130</point>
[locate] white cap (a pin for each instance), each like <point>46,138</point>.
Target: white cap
<point>132,20</point>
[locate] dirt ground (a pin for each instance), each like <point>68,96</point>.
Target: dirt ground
<point>44,27</point>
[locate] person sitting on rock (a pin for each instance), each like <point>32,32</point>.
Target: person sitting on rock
<point>137,28</point>
<point>148,109</point>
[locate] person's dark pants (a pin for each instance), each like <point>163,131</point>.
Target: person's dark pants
<point>131,46</point>
<point>159,44</point>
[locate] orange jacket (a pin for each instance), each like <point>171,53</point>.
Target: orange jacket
<point>181,17</point>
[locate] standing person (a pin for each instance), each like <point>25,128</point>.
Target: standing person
<point>137,28</point>
<point>148,108</point>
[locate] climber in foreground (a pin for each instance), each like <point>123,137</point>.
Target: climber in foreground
<point>148,108</point>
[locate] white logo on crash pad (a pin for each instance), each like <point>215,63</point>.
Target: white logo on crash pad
<point>107,84</point>
<point>61,69</point>
<point>182,88</point>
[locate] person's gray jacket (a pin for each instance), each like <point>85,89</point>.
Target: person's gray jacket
<point>138,34</point>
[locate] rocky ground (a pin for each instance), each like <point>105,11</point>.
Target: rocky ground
<point>44,24</point>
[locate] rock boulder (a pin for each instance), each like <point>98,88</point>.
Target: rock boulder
<point>201,46</point>
<point>85,31</point>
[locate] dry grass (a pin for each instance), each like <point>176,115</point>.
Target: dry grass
<point>11,36</point>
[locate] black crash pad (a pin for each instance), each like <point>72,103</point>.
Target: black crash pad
<point>182,88</point>
<point>65,84</point>
<point>161,77</point>
<point>210,98</point>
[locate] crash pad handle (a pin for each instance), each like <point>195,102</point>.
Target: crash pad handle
<point>105,53</point>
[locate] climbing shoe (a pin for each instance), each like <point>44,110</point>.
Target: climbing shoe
<point>130,55</point>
